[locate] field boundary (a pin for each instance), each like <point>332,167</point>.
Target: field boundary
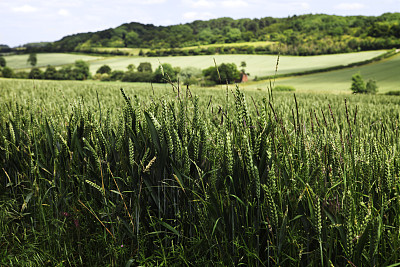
<point>388,54</point>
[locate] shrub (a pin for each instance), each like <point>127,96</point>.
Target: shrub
<point>36,73</point>
<point>7,72</point>
<point>165,73</point>
<point>116,75</point>
<point>50,73</point>
<point>371,87</point>
<point>137,77</point>
<point>226,73</point>
<point>21,75</point>
<point>105,77</point>
<point>358,85</point>
<point>104,69</point>
<point>396,93</point>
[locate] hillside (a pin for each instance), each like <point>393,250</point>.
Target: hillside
<point>297,35</point>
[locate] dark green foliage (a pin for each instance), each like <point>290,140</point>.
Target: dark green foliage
<point>36,73</point>
<point>116,75</point>
<point>371,87</point>
<point>50,73</point>
<point>7,72</point>
<point>32,59</point>
<point>165,73</point>
<point>144,67</point>
<point>224,73</point>
<point>358,85</point>
<point>3,62</point>
<point>137,77</point>
<point>309,34</point>
<point>104,69</point>
<point>81,70</point>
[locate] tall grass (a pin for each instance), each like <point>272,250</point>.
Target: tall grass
<point>189,180</point>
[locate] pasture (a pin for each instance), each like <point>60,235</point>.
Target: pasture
<point>257,65</point>
<point>385,72</point>
<point>44,59</point>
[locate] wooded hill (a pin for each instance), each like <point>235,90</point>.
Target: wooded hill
<point>296,35</point>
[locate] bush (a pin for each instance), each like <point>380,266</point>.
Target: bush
<point>36,73</point>
<point>371,87</point>
<point>105,77</point>
<point>144,67</point>
<point>228,72</point>
<point>3,62</point>
<point>50,73</point>
<point>7,72</point>
<point>104,69</point>
<point>137,77</point>
<point>165,73</point>
<point>358,85</point>
<point>21,75</point>
<point>396,93</point>
<point>116,75</point>
<point>284,88</point>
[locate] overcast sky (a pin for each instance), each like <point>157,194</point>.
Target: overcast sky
<point>24,21</point>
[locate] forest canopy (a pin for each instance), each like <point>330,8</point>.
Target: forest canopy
<point>297,35</point>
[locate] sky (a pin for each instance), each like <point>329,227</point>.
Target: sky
<point>25,21</point>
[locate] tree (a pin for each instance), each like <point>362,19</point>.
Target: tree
<point>371,87</point>
<point>35,73</point>
<point>104,69</point>
<point>165,73</point>
<point>131,67</point>
<point>228,73</point>
<point>32,59</point>
<point>116,75</point>
<point>144,67</point>
<point>81,70</point>
<point>358,85</point>
<point>50,73</point>
<point>190,75</point>
<point>3,62</point>
<point>7,72</point>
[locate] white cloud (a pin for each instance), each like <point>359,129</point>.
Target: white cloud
<point>25,9</point>
<point>350,6</point>
<point>63,12</point>
<point>234,4</point>
<point>199,3</point>
<point>151,2</point>
<point>197,15</point>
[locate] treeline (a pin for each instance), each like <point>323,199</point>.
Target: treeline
<point>164,73</point>
<point>297,35</point>
<point>78,71</point>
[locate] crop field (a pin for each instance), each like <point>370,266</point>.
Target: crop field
<point>44,59</point>
<point>253,44</point>
<point>135,51</point>
<point>385,72</point>
<point>257,65</point>
<point>92,174</point>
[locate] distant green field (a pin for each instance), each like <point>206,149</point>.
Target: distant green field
<point>55,59</point>
<point>257,65</point>
<point>385,72</point>
<point>135,51</point>
<point>131,51</point>
<point>255,44</point>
